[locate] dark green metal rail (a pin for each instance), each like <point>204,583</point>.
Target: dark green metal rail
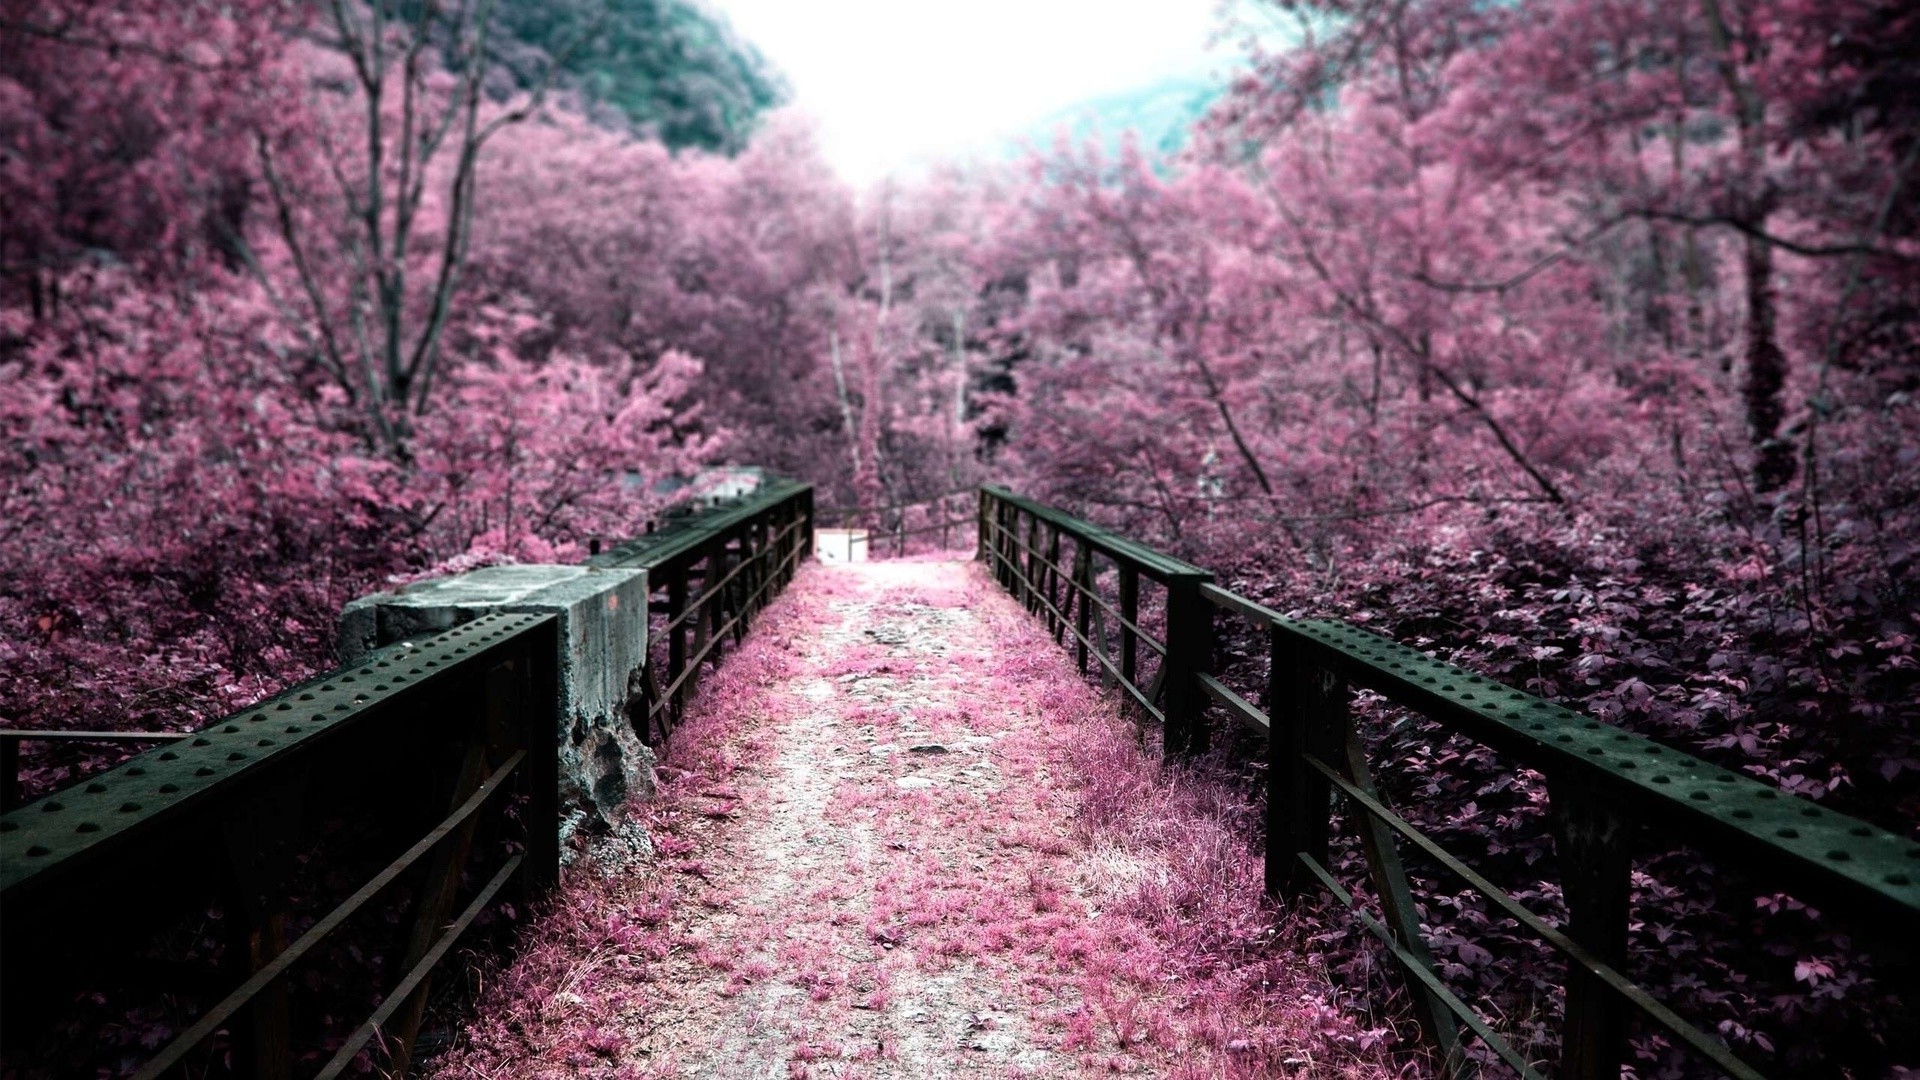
<point>709,573</point>
<point>445,743</point>
<point>94,873</point>
<point>687,534</point>
<point>1612,793</point>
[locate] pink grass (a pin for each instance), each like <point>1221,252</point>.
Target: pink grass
<point>1037,890</point>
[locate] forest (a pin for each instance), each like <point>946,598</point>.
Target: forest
<point>1576,342</point>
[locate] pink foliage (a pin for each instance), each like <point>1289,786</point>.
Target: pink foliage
<point>1556,338</point>
<point>1573,340</point>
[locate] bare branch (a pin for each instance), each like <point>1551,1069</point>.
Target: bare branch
<point>1748,228</point>
<point>1538,267</point>
<point>1419,353</point>
<point>303,266</point>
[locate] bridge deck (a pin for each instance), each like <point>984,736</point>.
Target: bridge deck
<point>878,855</point>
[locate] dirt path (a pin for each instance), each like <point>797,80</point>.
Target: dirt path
<point>873,900</point>
<point>871,863</point>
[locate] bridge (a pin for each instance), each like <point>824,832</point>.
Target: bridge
<point>896,802</point>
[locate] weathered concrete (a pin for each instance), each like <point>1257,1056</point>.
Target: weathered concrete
<point>603,616</point>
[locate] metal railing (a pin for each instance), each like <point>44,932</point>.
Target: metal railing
<point>1612,792</point>
<point>327,848</point>
<point>900,525</point>
<point>231,816</point>
<point>11,738</point>
<point>709,574</point>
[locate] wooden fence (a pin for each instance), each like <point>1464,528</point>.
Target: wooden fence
<point>1613,793</point>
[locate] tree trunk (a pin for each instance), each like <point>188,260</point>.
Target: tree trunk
<point>1766,376</point>
<point>846,403</point>
<point>957,421</point>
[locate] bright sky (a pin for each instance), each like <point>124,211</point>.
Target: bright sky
<point>895,83</point>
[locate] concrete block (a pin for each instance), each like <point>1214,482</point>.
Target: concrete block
<point>603,630</point>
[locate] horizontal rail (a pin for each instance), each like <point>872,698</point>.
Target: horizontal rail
<point>46,839</point>
<point>698,605</point>
<point>180,1047</point>
<point>227,812</point>
<point>1660,785</point>
<point>1657,1011</point>
<point>1220,597</point>
<point>685,536</point>
<point>24,735</point>
<point>1235,704</point>
<point>777,518</point>
<point>1150,562</point>
<point>1095,652</point>
<point>11,738</point>
<point>1420,972</point>
<point>714,640</point>
<point>343,1059</point>
<point>1139,633</point>
<point>1602,781</point>
<point>1785,837</point>
<point>924,529</point>
<point>843,511</point>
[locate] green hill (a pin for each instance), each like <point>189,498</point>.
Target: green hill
<point>673,68</point>
<point>1161,117</point>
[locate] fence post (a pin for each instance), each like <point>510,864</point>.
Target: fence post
<point>1055,613</point>
<point>707,603</point>
<point>1596,864</point>
<point>9,773</point>
<point>980,542</point>
<point>1280,816</point>
<point>491,723</point>
<point>1299,698</point>
<point>757,575</point>
<point>739,549</point>
<point>800,541</point>
<point>1031,583</point>
<point>261,859</point>
<point>538,714</point>
<point>806,531</point>
<point>1130,610</point>
<point>1083,614</point>
<point>676,640</point>
<point>1008,523</point>
<point>1189,652</point>
<point>1000,544</point>
<point>1016,556</point>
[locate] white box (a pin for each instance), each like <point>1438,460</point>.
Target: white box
<point>840,545</point>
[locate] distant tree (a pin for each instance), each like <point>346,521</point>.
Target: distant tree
<point>673,68</point>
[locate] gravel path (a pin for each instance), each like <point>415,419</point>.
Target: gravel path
<point>873,903</point>
<point>872,863</point>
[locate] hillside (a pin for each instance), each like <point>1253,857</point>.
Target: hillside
<point>1161,116</point>
<point>673,68</point>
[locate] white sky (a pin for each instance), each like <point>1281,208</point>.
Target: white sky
<point>895,83</point>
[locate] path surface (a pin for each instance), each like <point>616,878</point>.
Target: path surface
<point>877,857</point>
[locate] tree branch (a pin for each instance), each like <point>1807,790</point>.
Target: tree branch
<point>1812,251</point>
